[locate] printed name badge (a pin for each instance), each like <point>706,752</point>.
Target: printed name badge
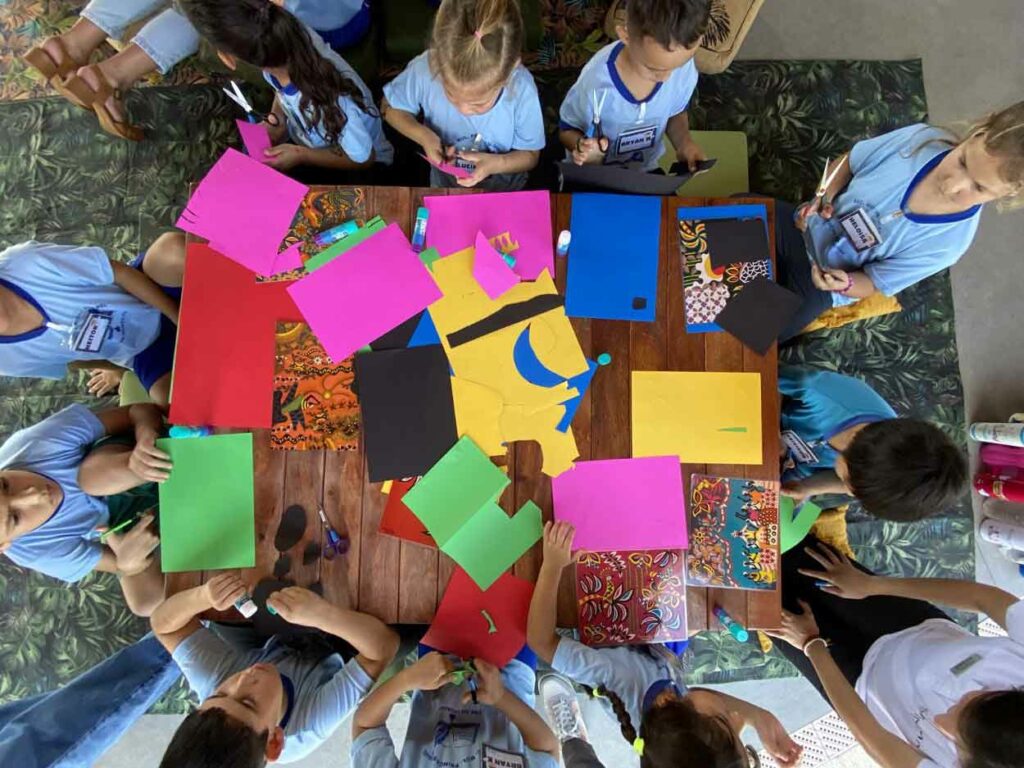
<point>636,140</point>
<point>499,758</point>
<point>92,331</point>
<point>964,665</point>
<point>798,448</point>
<point>860,230</point>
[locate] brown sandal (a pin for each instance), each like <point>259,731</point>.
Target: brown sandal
<point>97,101</point>
<point>39,59</point>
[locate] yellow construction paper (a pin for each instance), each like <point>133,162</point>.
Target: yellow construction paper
<point>558,448</point>
<point>477,413</point>
<point>385,487</point>
<point>704,418</point>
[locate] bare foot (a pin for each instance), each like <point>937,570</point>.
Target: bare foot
<point>59,54</point>
<point>91,75</point>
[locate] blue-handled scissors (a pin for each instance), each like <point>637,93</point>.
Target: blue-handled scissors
<point>597,100</point>
<point>236,95</point>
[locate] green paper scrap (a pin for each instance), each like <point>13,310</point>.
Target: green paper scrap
<point>794,531</point>
<point>428,257</point>
<point>372,227</point>
<point>490,542</point>
<point>491,626</point>
<point>207,511</point>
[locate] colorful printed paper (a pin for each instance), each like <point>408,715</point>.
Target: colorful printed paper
<point>701,417</point>
<point>244,209</point>
<point>314,406</point>
<point>451,170</point>
<point>623,504</point>
<point>631,598</point>
<point>472,623</point>
<point>207,512</point>
<point>255,138</point>
<point>455,220</point>
<point>398,520</point>
<point>734,533</point>
<point>457,500</point>
<point>796,523</point>
<point>384,284</point>
<point>490,270</point>
<point>707,289</point>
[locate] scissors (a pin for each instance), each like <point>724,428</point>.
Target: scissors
<point>597,100</point>
<point>236,95</point>
<point>819,196</point>
<point>336,543</point>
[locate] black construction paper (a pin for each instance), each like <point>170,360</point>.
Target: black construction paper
<point>731,241</point>
<point>504,317</point>
<point>759,313</point>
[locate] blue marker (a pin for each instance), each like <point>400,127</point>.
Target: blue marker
<point>419,230</point>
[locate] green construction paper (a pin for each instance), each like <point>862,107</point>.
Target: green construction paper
<point>207,513</point>
<point>794,531</point>
<point>490,542</point>
<point>428,257</point>
<point>373,226</point>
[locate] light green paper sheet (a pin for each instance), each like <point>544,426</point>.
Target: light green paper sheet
<point>207,512</point>
<point>794,531</point>
<point>372,227</point>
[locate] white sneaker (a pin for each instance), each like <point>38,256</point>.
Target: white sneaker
<point>561,708</point>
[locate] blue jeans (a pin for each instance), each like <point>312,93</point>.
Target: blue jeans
<point>73,725</point>
<point>167,38</point>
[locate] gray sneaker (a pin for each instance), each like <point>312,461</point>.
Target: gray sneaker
<point>561,708</point>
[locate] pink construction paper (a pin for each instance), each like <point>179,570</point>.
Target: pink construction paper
<point>490,270</point>
<point>365,292</point>
<point>455,220</point>
<point>255,138</point>
<point>289,259</point>
<point>623,504</point>
<point>244,209</point>
<point>451,170</point>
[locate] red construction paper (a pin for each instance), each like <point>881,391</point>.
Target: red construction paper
<point>398,520</point>
<point>224,360</point>
<point>461,629</point>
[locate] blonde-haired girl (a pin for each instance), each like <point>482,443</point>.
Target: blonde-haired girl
<point>479,104</point>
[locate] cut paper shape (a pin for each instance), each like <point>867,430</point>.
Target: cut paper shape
<point>207,512</point>
<point>398,520</point>
<point>478,415</point>
<point>490,624</point>
<point>558,448</point>
<point>759,314</point>
<point>224,357</point>
<point>408,414</point>
<point>623,504</point>
<point>399,336</point>
<point>734,533</point>
<point>631,598</point>
<point>619,178</point>
<point>580,384</point>
<point>684,413</point>
<point>613,263</point>
<point>732,241</point>
<point>425,333</point>
<point>706,290</point>
<point>796,523</point>
<point>529,365</point>
<point>384,283</point>
<point>526,216</point>
<point>458,502</point>
<point>290,529</point>
<point>315,407</point>
<point>331,252</point>
<point>490,270</point>
<point>508,315</point>
<point>244,209</point>
<point>255,138</point>
<point>289,259</point>
<point>449,168</point>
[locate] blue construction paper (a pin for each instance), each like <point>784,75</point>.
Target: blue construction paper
<point>425,334</point>
<point>722,212</point>
<point>613,259</point>
<point>529,365</point>
<point>580,383</point>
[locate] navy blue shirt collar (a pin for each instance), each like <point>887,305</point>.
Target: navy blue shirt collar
<point>657,688</point>
<point>289,694</point>
<point>926,218</point>
<point>621,86</point>
<point>287,90</point>
<point>23,294</point>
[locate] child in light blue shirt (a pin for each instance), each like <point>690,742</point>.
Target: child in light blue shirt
<point>635,91</point>
<point>480,108</point>
<point>341,23</point>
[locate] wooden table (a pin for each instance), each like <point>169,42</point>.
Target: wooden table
<point>403,582</point>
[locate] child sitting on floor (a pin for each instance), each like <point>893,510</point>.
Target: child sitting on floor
<point>53,480</point>
<point>272,703</point>
<point>62,304</point>
<point>636,90</point>
<point>669,725</point>
<point>480,107</point>
<point>840,437</point>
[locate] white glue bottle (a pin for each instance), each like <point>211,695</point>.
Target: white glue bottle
<point>1001,534</point>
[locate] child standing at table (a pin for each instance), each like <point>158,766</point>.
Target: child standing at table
<point>479,103</point>
<point>323,113</point>
<point>636,90</point>
<point>669,725</point>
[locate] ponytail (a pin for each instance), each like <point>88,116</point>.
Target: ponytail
<point>477,41</point>
<point>265,35</point>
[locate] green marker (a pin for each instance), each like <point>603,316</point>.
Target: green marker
<point>491,628</point>
<point>115,529</point>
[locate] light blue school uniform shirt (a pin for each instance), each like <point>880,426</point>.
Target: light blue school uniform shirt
<point>634,127</point>
<point>363,132</point>
<point>636,674</point>
<point>324,14</point>
<point>514,122</point>
<point>817,405</point>
<point>86,315</point>
<point>64,546</point>
<point>444,732</point>
<point>913,246</point>
<point>320,694</point>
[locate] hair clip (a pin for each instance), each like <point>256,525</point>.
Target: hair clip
<point>478,34</point>
<point>638,746</point>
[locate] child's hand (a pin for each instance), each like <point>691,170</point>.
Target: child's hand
<point>489,687</point>
<point>297,605</point>
<point>133,550</point>
<point>590,151</point>
<point>431,672</point>
<point>835,280</point>
<point>690,154</point>
<point>223,589</point>
<point>278,131</point>
<point>816,207</point>
<point>558,544</point>
<point>284,156</point>
<point>797,628</point>
<point>435,150</point>
<point>796,492</point>
<point>147,461</point>
<point>844,580</point>
<point>776,740</point>
<point>103,380</point>
<point>486,164</point>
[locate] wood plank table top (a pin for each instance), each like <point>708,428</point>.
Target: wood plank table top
<point>398,581</point>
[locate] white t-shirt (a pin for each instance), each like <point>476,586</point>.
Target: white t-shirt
<point>911,676</point>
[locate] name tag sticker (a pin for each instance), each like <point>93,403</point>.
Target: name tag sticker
<point>636,140</point>
<point>499,758</point>
<point>962,666</point>
<point>860,230</point>
<point>798,448</point>
<point>92,332</point>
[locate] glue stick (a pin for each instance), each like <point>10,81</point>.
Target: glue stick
<point>245,606</point>
<point>735,629</point>
<point>334,234</point>
<point>419,230</point>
